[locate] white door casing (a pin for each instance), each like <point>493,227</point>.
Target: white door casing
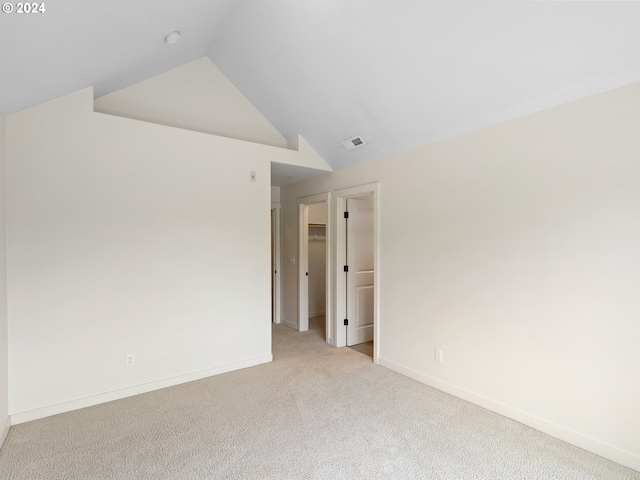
<point>275,267</point>
<point>303,263</point>
<point>303,268</point>
<point>360,275</point>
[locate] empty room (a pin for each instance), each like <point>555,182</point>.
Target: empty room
<point>307,239</point>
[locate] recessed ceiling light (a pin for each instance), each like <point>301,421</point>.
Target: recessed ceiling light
<point>172,37</point>
<point>352,143</point>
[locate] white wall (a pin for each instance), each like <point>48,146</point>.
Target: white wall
<point>4,368</point>
<point>195,96</point>
<point>275,194</point>
<point>130,237</point>
<point>514,249</point>
<point>318,213</point>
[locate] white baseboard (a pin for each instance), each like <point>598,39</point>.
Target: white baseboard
<point>5,431</point>
<point>289,324</point>
<point>317,314</point>
<point>615,454</point>
<point>43,412</point>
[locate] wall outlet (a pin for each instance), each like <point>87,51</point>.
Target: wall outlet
<point>438,355</point>
<point>130,360</point>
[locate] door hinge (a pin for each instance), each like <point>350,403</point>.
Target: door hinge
<point>346,322</point>
<point>346,214</point>
<point>346,268</point>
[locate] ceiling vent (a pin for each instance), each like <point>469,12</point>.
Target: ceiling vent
<point>352,143</point>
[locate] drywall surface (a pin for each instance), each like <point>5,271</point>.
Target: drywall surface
<point>127,237</point>
<point>275,194</point>
<point>514,249</point>
<point>4,366</point>
<point>195,96</point>
<point>318,213</point>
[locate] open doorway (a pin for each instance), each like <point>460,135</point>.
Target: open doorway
<point>337,298</point>
<point>357,272</point>
<point>314,254</point>
<point>317,267</point>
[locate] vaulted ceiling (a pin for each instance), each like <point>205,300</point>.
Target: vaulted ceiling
<point>398,73</point>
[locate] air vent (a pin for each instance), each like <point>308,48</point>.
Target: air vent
<point>352,143</point>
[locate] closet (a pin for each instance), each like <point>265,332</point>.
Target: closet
<point>317,269</point>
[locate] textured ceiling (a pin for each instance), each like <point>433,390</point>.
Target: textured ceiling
<point>399,73</point>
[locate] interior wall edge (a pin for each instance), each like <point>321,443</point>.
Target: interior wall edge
<point>5,431</point>
<point>4,319</point>
<point>610,452</point>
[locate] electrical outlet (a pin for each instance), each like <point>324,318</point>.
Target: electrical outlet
<point>438,355</point>
<point>130,360</point>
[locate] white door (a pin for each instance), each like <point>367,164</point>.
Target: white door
<point>360,271</point>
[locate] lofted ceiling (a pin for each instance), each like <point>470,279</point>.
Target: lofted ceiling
<point>398,73</point>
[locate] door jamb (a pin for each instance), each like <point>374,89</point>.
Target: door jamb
<point>276,207</point>
<point>340,201</point>
<point>303,262</point>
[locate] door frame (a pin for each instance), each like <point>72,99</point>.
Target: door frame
<point>340,200</point>
<point>303,262</point>
<point>276,275</point>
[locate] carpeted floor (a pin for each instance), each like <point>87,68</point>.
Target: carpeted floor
<point>315,412</point>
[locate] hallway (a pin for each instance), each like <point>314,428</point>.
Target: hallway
<point>317,325</point>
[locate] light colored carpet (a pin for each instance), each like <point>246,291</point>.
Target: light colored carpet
<point>315,412</point>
